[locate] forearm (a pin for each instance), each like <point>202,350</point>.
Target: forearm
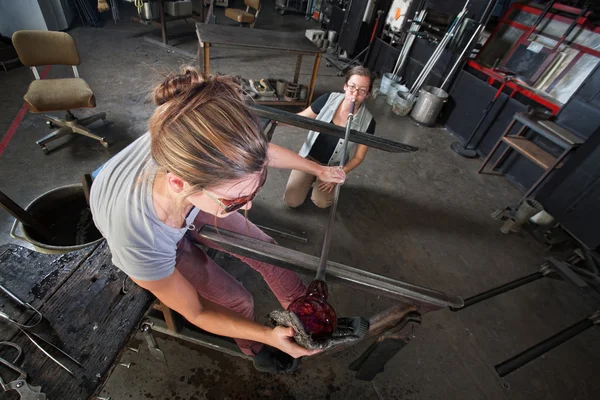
<point>280,157</point>
<point>221,321</point>
<point>352,164</point>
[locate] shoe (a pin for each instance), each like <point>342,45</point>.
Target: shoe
<point>273,360</point>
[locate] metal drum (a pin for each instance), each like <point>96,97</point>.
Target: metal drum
<point>429,104</point>
<point>65,210</point>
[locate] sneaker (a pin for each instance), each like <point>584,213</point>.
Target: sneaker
<point>273,360</point>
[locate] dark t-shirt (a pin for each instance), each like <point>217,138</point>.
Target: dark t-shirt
<point>324,146</point>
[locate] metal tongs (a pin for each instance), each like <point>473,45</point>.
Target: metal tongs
<point>16,299</point>
<point>31,335</point>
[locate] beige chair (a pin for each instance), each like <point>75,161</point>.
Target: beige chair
<point>245,18</point>
<point>37,48</point>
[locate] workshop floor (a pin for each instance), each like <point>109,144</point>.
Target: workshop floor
<point>422,217</point>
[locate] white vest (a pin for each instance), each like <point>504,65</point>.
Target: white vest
<point>361,122</point>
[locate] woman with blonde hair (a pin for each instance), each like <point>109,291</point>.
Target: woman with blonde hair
<point>203,158</point>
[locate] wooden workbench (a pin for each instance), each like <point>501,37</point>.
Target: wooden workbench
<point>86,314</point>
<point>250,38</point>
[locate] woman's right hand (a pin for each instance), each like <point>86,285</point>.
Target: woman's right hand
<point>282,338</point>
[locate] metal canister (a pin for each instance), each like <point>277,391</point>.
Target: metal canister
<point>429,104</point>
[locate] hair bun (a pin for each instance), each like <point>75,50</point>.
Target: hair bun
<point>175,84</point>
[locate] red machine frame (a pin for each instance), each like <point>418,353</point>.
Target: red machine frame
<point>552,104</point>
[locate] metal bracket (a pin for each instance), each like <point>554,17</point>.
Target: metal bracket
<point>151,341</point>
<point>374,359</point>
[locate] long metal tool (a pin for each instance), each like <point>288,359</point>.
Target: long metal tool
<point>403,57</point>
<point>454,27</point>
<point>482,23</point>
<point>327,240</point>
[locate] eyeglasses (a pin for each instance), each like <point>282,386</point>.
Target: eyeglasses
<point>231,205</point>
<point>353,89</point>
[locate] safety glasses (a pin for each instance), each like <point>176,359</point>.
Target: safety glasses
<point>231,205</point>
<point>353,89</point>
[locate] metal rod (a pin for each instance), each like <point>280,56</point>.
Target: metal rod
<point>482,23</point>
<point>545,346</point>
<point>292,119</point>
<point>403,57</point>
<point>478,298</point>
<point>439,51</point>
<point>336,273</point>
<point>46,353</point>
<point>336,195</point>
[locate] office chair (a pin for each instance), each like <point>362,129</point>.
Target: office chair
<point>37,48</point>
<point>245,18</point>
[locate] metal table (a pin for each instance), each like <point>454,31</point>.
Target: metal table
<point>289,42</point>
<point>87,313</point>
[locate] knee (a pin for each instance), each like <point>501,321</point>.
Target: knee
<point>321,203</point>
<point>292,198</point>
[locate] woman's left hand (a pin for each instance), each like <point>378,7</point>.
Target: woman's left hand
<point>326,187</point>
<point>332,174</point>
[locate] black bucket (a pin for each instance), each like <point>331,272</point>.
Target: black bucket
<point>65,211</point>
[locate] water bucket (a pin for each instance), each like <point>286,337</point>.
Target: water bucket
<point>65,211</point>
<point>428,106</point>
<point>402,104</point>
<point>395,88</point>
<point>386,81</point>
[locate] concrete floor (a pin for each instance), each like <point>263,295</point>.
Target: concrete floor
<point>421,217</point>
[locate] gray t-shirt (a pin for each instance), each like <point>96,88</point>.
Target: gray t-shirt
<point>122,208</point>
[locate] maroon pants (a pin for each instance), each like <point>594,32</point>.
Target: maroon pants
<point>216,285</point>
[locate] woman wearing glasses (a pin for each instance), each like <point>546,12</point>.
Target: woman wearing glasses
<point>203,158</point>
<point>326,149</point>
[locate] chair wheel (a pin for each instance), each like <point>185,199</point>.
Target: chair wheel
<point>339,73</point>
<point>282,12</point>
<point>105,144</point>
<point>44,149</point>
<point>328,64</point>
<point>51,125</point>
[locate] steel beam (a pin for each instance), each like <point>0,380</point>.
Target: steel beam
<point>303,263</point>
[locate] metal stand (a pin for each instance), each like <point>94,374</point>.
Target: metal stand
<point>393,327</point>
<point>555,269</point>
<point>516,362</point>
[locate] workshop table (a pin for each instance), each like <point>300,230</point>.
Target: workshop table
<point>90,311</point>
<point>289,42</point>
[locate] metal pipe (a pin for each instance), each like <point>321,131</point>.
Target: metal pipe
<point>482,23</point>
<point>327,240</point>
<point>439,50</point>
<point>336,273</point>
<point>478,298</point>
<point>436,55</point>
<point>403,57</point>
<point>545,346</point>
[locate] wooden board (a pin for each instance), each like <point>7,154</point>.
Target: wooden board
<point>89,317</point>
<point>530,150</point>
